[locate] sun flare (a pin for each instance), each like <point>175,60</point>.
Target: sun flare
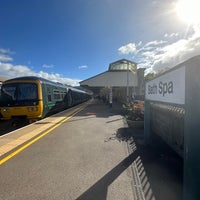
<point>189,11</point>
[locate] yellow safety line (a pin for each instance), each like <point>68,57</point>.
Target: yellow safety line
<point>39,137</point>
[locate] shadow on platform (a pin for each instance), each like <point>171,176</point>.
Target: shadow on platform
<point>160,170</point>
<point>98,191</point>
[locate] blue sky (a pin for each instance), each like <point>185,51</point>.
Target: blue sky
<point>72,40</point>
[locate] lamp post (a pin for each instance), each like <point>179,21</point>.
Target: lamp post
<point>127,86</point>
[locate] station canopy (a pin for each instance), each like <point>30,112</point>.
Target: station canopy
<point>121,73</point>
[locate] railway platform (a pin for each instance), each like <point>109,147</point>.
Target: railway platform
<point>86,152</point>
<point>13,140</point>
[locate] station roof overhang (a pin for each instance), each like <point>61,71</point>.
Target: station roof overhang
<point>112,79</point>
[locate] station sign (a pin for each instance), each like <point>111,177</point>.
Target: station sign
<point>169,87</point>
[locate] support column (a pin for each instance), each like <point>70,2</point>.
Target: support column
<point>110,97</point>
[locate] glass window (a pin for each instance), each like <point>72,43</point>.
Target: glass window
<point>27,91</point>
<point>49,94</point>
<point>124,65</point>
<point>19,91</point>
<point>56,94</point>
<point>9,92</point>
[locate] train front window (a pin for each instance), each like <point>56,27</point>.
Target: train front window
<point>27,91</point>
<point>20,91</point>
<point>8,92</point>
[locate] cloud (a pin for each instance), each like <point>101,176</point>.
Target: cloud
<point>5,51</point>
<point>57,78</point>
<point>171,54</point>
<point>47,66</point>
<point>127,49</point>
<point>83,67</point>
<point>171,35</point>
<point>5,55</point>
<point>5,58</point>
<point>159,55</point>
<point>154,43</point>
<point>11,71</point>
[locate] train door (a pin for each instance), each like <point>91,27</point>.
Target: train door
<point>69,98</point>
<point>47,98</point>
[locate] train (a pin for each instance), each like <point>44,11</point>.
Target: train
<point>34,98</point>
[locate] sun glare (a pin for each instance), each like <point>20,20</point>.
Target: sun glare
<point>189,11</point>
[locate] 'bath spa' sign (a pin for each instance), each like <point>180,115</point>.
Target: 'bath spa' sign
<point>169,87</point>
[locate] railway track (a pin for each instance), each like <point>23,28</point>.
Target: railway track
<point>7,126</point>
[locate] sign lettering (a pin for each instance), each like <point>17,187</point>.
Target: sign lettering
<point>169,87</point>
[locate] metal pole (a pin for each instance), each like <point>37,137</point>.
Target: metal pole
<point>127,87</point>
<point>110,97</point>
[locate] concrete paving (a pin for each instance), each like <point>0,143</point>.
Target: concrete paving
<point>84,158</point>
<point>11,141</point>
<point>92,156</point>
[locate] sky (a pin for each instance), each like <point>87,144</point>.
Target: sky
<point>71,40</point>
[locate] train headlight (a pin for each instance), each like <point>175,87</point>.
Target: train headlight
<point>5,109</point>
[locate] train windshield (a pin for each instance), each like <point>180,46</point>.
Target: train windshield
<point>19,92</point>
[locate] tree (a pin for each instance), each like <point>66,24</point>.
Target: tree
<point>149,76</point>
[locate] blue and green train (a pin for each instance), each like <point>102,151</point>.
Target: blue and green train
<point>34,98</point>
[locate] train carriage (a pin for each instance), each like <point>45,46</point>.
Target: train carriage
<point>34,98</point>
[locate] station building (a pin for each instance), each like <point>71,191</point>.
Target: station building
<point>122,82</point>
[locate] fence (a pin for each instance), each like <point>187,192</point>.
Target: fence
<point>172,111</point>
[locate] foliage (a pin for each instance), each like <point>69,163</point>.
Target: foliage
<point>134,111</point>
<point>149,76</point>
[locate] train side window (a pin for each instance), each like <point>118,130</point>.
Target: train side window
<point>63,94</point>
<point>49,94</point>
<point>57,95</point>
<point>49,97</point>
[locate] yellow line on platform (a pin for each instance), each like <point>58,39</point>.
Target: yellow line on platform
<point>39,137</point>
